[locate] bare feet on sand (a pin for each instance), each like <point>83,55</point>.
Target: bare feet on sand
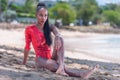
<point>89,72</point>
<point>61,71</point>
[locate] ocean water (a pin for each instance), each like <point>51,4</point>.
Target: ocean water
<point>104,45</point>
<point>107,45</point>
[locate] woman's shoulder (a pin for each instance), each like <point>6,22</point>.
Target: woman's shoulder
<point>30,27</point>
<point>52,26</point>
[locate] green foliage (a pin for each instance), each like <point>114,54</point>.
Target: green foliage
<point>112,16</point>
<point>26,15</point>
<point>63,11</point>
<point>9,15</point>
<point>111,13</point>
<point>91,2</point>
<point>109,6</point>
<point>87,10</point>
<point>27,10</point>
<point>96,18</point>
<point>117,8</point>
<point>29,6</point>
<point>78,4</point>
<point>4,4</point>
<point>17,8</point>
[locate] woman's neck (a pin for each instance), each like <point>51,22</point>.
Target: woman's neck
<point>39,26</point>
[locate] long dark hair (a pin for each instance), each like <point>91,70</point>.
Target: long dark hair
<point>46,29</point>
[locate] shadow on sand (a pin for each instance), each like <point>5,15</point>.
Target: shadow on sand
<point>11,68</point>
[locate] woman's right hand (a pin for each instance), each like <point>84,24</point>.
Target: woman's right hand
<point>58,42</point>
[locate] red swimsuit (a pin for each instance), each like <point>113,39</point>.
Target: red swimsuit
<point>34,35</point>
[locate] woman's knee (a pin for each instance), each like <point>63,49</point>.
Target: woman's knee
<point>62,41</point>
<point>51,65</point>
<point>41,62</point>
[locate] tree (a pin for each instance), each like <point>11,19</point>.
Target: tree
<point>8,15</point>
<point>97,18</point>
<point>29,6</point>
<point>78,5</point>
<point>113,17</point>
<point>117,8</point>
<point>87,10</point>
<point>26,10</point>
<point>110,6</point>
<point>63,11</point>
<point>3,5</point>
<point>16,7</point>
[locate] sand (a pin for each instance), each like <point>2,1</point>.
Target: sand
<point>11,55</point>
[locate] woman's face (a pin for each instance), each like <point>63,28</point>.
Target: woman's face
<point>42,16</point>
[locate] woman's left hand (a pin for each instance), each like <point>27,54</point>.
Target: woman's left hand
<point>58,42</point>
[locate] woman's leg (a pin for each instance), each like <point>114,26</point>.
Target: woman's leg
<point>56,63</point>
<point>58,56</point>
<point>79,73</point>
<point>47,63</point>
<point>52,65</point>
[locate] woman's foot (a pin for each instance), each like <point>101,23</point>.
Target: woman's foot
<point>88,73</point>
<point>61,71</point>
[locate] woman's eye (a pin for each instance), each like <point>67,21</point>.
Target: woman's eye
<point>40,15</point>
<point>46,15</point>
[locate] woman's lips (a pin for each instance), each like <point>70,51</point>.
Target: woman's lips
<point>42,21</point>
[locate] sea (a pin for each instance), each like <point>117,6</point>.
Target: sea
<point>104,45</point>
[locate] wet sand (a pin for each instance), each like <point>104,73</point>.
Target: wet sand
<point>11,55</point>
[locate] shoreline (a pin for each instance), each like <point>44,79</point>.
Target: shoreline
<point>11,69</point>
<point>90,56</point>
<point>102,29</point>
<point>11,54</point>
<point>87,47</point>
<point>18,42</point>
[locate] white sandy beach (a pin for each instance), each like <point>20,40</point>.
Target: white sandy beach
<point>15,38</point>
<point>12,44</point>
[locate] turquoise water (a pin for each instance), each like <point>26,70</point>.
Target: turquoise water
<point>113,40</point>
<point>108,45</point>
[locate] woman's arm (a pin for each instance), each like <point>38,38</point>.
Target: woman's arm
<point>27,45</point>
<point>26,52</point>
<point>58,37</point>
<point>55,30</point>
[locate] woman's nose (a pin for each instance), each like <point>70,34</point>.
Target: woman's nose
<point>43,17</point>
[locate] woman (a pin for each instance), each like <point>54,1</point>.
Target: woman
<point>39,35</point>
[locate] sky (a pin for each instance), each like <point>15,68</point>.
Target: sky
<point>103,2</point>
<point>100,2</point>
